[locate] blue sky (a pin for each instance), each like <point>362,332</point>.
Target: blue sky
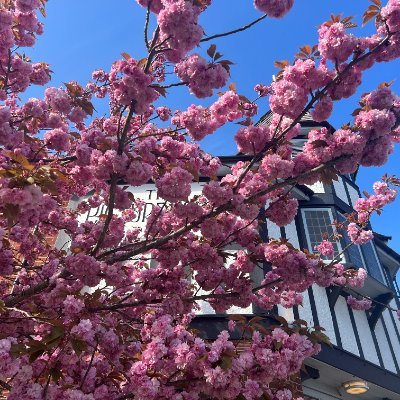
<point>83,35</point>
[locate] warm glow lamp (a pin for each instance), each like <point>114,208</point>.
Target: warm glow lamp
<point>355,387</point>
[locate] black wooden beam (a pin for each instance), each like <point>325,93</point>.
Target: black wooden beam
<point>381,302</point>
<point>308,372</point>
<point>333,294</point>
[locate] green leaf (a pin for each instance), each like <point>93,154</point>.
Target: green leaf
<point>78,346</point>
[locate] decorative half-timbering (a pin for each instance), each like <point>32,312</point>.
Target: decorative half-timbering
<point>365,344</point>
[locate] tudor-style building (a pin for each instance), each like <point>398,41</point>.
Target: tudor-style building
<point>365,344</point>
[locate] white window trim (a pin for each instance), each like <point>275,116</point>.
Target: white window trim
<point>359,250</point>
<point>303,210</point>
<point>384,278</point>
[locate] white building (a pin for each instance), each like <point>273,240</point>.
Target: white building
<point>366,345</point>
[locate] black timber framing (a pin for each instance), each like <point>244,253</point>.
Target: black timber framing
<point>363,369</point>
<point>381,303</point>
<point>333,293</point>
<point>209,327</point>
<point>309,373</point>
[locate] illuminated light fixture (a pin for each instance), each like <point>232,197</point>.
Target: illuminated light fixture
<point>355,387</point>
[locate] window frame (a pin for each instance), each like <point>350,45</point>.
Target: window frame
<point>340,258</point>
<point>347,253</point>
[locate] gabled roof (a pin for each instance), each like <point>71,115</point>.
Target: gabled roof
<point>306,121</point>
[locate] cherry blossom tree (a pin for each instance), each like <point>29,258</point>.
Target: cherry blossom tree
<point>108,313</point>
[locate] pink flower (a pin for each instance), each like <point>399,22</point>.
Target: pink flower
<point>357,235</point>
<point>323,109</point>
<point>138,173</point>
<point>381,99</point>
<point>130,84</point>
<point>57,139</point>
<point>359,304</point>
<point>282,212</point>
<point>72,305</point>
<point>27,5</point>
<point>288,99</point>
<point>275,167</point>
<point>6,19</point>
<point>325,248</point>
<point>178,25</point>
<point>217,193</point>
<point>335,43</point>
<point>155,5</point>
<point>261,89</point>
<point>274,8</point>
<point>391,14</point>
<point>201,77</point>
<point>252,139</point>
<point>84,330</point>
<point>175,185</point>
<point>164,113</point>
<point>58,100</point>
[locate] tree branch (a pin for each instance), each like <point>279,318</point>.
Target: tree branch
<point>146,26</point>
<point>243,28</point>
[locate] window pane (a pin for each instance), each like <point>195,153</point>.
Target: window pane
<point>353,252</point>
<point>373,265</point>
<point>318,227</point>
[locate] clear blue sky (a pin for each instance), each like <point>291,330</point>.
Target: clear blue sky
<point>82,35</point>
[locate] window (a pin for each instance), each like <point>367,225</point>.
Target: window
<point>372,263</point>
<point>318,226</point>
<point>353,253</point>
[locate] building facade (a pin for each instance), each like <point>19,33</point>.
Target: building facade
<point>365,344</point>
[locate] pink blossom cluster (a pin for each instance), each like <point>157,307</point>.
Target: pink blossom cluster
<point>273,166</point>
<point>155,5</point>
<point>131,85</point>
<point>178,22</point>
<point>383,195</point>
<point>200,121</point>
<point>325,248</point>
<point>288,98</point>
<point>391,15</point>
<point>274,8</point>
<point>253,139</point>
<point>323,109</point>
<point>201,77</point>
<point>359,304</point>
<point>282,211</point>
<point>107,311</point>
<point>335,43</point>
<point>175,185</point>
<point>261,89</point>
<point>357,235</point>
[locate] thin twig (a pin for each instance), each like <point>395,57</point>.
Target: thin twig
<point>243,28</point>
<point>146,26</point>
<point>90,365</point>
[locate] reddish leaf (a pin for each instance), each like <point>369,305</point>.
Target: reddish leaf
<point>319,143</point>
<point>281,64</point>
<point>142,62</point>
<point>160,90</point>
<point>371,12</point>
<point>126,56</point>
<point>211,50</point>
